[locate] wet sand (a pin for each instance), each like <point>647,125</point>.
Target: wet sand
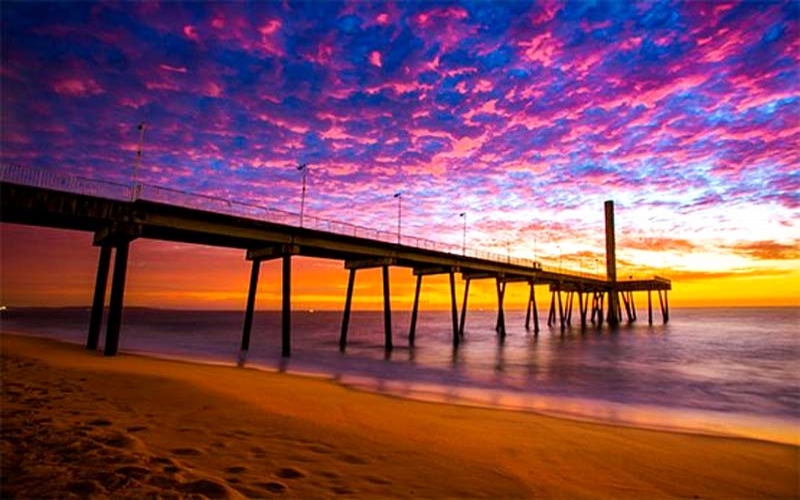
<point>78,425</point>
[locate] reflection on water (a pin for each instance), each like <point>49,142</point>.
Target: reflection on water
<point>708,369</point>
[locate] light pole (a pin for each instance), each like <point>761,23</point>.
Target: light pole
<point>135,188</point>
<point>303,167</point>
<point>399,196</point>
<point>464,234</point>
<point>560,258</point>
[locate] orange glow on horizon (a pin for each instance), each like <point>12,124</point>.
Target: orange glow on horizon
<point>53,268</point>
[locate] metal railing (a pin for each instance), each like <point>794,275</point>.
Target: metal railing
<point>48,179</point>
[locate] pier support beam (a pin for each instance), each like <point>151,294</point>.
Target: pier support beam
<point>583,305</point>
<point>387,311</point>
<point>532,309</point>
<point>626,301</point>
<point>570,298</point>
<point>248,313</point>
<point>286,309</point>
<point>117,296</point>
<point>348,302</point>
<point>412,330</point>
<point>464,309</point>
<point>649,308</point>
<point>454,308</point>
<point>501,317</point>
<point>560,311</point>
<point>551,315</point>
<point>99,301</point>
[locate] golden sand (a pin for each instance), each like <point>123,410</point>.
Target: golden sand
<point>77,425</point>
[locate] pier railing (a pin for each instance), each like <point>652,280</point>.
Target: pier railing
<point>49,179</point>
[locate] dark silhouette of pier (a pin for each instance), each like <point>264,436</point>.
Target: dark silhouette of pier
<point>117,214</point>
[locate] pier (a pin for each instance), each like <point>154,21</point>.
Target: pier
<point>118,214</point>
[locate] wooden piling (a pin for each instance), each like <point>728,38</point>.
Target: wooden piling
<point>348,302</point>
<point>286,313</point>
<point>99,300</point>
<point>454,308</point>
<point>649,307</point>
<point>117,296</point>
<point>501,318</point>
<point>551,316</point>
<point>560,310</point>
<point>464,309</point>
<point>387,310</point>
<point>248,312</point>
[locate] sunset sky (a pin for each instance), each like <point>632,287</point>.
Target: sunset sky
<point>525,116</point>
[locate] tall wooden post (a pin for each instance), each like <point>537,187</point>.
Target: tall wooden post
<point>464,309</point>
<point>501,317</point>
<point>412,331</point>
<point>286,316</point>
<point>348,302</point>
<point>248,313</point>
<point>666,306</point>
<point>387,310</point>
<point>454,308</point>
<point>551,316</point>
<point>560,310</point>
<point>98,303</point>
<point>117,295</point>
<point>649,307</point>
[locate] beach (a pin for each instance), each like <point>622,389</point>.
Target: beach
<point>76,424</point>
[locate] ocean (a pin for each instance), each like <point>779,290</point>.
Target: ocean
<point>722,371</point>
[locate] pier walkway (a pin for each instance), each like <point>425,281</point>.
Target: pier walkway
<point>118,214</point>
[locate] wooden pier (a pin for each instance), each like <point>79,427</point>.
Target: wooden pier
<point>106,210</point>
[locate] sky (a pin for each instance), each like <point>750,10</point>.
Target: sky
<point>524,116</point>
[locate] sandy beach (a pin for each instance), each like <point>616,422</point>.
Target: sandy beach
<point>78,425</point>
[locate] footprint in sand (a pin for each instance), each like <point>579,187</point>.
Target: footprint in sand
<point>378,480</point>
<point>186,452</point>
<point>290,473</point>
<point>133,471</point>
<point>352,459</point>
<point>273,486</point>
<point>99,422</point>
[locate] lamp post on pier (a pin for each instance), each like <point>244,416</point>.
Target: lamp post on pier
<point>464,234</point>
<point>303,167</point>
<point>135,189</point>
<point>399,196</point>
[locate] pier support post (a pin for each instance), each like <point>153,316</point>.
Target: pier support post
<point>501,317</point>
<point>561,311</point>
<point>532,309</point>
<point>454,308</point>
<point>570,298</point>
<point>584,306</point>
<point>412,330</point>
<point>661,303</point>
<point>348,302</point>
<point>600,307</point>
<point>464,309</point>
<point>666,306</point>
<point>98,303</point>
<point>248,313</point>
<point>286,313</point>
<point>387,311</point>
<point>117,296</point>
<point>649,308</point>
<point>627,306</point>
<point>551,315</point>
<point>633,305</point>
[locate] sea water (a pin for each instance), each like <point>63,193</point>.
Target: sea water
<point>729,371</point>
